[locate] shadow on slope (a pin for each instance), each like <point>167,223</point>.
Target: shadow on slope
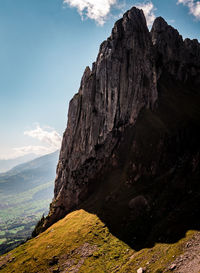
<point>82,243</point>
<point>147,196</point>
<point>150,191</point>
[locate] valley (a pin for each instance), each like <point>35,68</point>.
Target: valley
<point>25,194</point>
<point>126,196</point>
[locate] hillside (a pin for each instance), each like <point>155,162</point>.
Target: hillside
<point>133,132</point>
<point>81,242</point>
<point>25,194</point>
<point>7,164</point>
<point>131,153</point>
<point>127,191</point>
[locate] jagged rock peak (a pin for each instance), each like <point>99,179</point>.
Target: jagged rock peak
<point>132,20</point>
<point>173,54</point>
<point>130,27</point>
<point>122,82</point>
<point>164,35</point>
<point>160,25</point>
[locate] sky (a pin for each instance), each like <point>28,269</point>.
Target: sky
<point>45,46</point>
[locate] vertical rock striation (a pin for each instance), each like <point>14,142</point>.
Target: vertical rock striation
<point>179,58</point>
<point>121,83</point>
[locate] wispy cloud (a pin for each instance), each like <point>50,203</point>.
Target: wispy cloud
<point>149,11</point>
<point>48,138</point>
<point>97,10</point>
<point>37,150</point>
<point>194,7</point>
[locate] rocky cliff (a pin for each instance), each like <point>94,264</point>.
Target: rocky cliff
<point>130,152</point>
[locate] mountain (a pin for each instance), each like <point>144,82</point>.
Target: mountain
<point>82,243</point>
<point>130,153</point>
<point>7,164</point>
<point>28,175</point>
<point>25,194</point>
<point>127,190</point>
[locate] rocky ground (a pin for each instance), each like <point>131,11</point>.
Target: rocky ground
<point>189,261</point>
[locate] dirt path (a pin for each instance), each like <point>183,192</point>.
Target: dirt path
<point>189,261</point>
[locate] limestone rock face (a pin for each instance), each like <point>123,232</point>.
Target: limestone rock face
<point>180,58</point>
<point>122,81</point>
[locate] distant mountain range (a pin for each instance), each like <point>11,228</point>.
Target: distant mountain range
<point>131,156</point>
<point>7,164</point>
<point>30,174</point>
<point>25,193</point>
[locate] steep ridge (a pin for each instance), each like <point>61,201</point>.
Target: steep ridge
<point>130,153</point>
<point>180,58</point>
<point>121,83</point>
<point>82,243</point>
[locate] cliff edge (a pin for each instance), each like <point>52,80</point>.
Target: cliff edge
<point>130,153</point>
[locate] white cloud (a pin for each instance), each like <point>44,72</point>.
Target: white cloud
<point>148,9</point>
<point>50,141</point>
<point>97,10</point>
<point>37,150</point>
<point>194,7</point>
<point>51,138</point>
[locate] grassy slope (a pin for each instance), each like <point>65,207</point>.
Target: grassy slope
<point>82,243</point>
<point>168,137</point>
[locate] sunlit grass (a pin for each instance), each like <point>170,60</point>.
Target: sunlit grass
<point>77,229</point>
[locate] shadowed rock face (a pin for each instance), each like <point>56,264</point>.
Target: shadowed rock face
<point>180,58</point>
<point>121,83</point>
<point>129,124</point>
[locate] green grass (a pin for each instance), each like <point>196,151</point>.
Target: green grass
<point>69,240</point>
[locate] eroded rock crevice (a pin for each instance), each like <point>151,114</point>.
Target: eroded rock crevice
<point>136,72</point>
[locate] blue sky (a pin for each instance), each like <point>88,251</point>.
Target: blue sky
<point>45,46</point>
